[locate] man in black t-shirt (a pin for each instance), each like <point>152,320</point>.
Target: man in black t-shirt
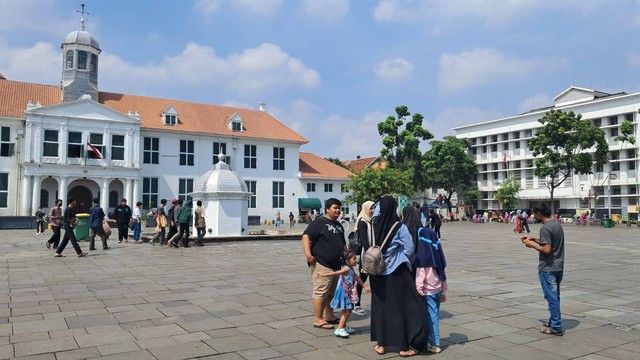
<point>323,243</point>
<point>69,221</point>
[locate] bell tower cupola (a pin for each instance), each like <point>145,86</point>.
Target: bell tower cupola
<point>80,52</point>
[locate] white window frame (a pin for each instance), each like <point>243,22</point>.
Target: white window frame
<point>93,138</point>
<point>328,187</point>
<point>220,148</point>
<point>4,190</point>
<point>54,144</point>
<point>277,199</point>
<point>250,156</point>
<point>6,146</point>
<point>311,187</point>
<point>152,151</point>
<point>278,158</point>
<point>150,192</point>
<point>185,186</point>
<point>252,187</point>
<point>115,149</point>
<point>187,156</point>
<point>79,144</point>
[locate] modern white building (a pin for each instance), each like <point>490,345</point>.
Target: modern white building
<point>500,148</point>
<point>74,140</point>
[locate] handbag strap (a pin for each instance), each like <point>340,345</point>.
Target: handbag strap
<point>387,237</point>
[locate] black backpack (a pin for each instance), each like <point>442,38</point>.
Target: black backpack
<point>355,244</point>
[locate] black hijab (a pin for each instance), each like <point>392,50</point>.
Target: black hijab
<point>384,221</point>
<point>411,219</point>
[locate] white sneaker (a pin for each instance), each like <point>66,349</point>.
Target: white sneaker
<point>359,311</point>
<point>341,333</point>
<point>433,349</point>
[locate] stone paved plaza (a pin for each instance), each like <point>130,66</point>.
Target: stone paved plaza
<point>251,300</point>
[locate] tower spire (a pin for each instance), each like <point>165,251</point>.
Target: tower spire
<point>82,12</point>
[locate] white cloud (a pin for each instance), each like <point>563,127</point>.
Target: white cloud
<point>534,102</point>
<point>34,15</point>
<point>326,10</point>
<point>208,7</point>
<point>266,67</point>
<point>394,70</point>
<point>443,123</point>
<point>40,63</point>
<point>332,135</point>
<point>488,11</point>
<point>484,65</point>
<point>253,7</point>
<point>399,11</point>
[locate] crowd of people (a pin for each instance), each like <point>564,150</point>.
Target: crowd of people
<point>406,296</point>
<point>177,219</point>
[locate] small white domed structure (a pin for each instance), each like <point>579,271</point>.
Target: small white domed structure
<point>225,198</point>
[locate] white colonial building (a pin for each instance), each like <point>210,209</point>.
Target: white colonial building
<point>500,148</point>
<point>75,141</point>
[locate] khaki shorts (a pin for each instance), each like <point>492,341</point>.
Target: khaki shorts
<point>323,287</point>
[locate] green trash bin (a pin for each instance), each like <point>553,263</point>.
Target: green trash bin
<point>82,227</point>
<point>607,223</point>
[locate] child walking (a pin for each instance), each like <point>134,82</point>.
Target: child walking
<point>431,282</point>
<point>345,295</point>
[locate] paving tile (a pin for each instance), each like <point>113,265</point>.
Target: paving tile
<point>44,346</point>
<point>78,354</point>
<point>26,327</point>
<point>157,331</point>
<point>91,320</point>
<point>183,351</point>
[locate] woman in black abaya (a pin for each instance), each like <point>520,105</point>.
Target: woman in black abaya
<point>398,314</point>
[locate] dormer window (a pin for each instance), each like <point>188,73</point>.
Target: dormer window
<point>170,116</point>
<point>235,122</point>
<point>170,119</point>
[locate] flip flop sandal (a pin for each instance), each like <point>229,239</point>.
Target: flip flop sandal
<point>410,352</point>
<point>379,349</point>
<point>546,324</point>
<point>550,331</point>
<point>334,321</point>
<point>324,325</point>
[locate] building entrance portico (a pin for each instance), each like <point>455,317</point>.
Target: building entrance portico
<point>83,197</point>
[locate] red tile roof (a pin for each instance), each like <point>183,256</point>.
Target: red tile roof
<point>192,117</point>
<point>314,166</point>
<point>358,165</point>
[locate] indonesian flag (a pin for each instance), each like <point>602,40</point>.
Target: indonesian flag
<point>95,150</point>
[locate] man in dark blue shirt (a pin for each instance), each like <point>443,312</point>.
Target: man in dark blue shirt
<point>96,218</point>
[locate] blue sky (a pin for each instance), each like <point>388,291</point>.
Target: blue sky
<point>333,69</point>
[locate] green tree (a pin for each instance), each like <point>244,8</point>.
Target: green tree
<point>370,184</point>
<point>507,194</point>
<point>401,146</point>
<point>565,145</point>
<point>336,161</point>
<point>449,166</point>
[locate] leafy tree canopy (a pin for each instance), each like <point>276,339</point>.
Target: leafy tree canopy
<point>370,184</point>
<point>507,194</point>
<point>336,161</point>
<point>401,146</point>
<point>565,145</point>
<point>449,166</point>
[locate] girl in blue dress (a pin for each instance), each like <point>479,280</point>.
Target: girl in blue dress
<point>345,296</point>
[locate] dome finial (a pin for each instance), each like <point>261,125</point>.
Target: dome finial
<point>82,17</point>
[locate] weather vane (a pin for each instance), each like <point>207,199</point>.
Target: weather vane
<point>82,17</point>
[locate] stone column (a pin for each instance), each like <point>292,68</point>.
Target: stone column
<point>104,195</point>
<point>25,193</point>
<point>128,189</point>
<point>35,195</point>
<point>63,191</point>
<point>136,192</point>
